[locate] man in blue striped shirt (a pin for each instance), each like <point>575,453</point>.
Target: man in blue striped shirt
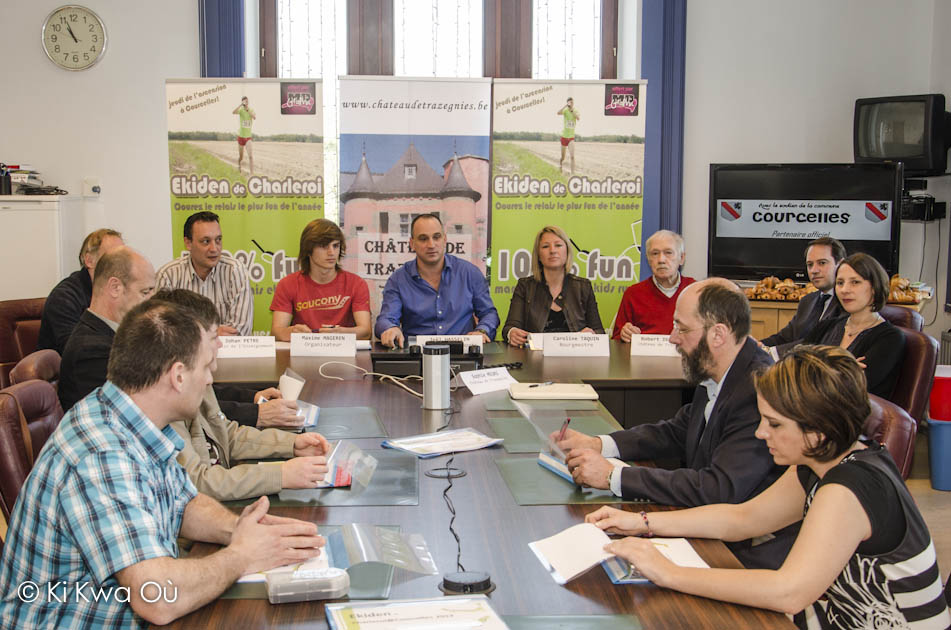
<point>92,538</point>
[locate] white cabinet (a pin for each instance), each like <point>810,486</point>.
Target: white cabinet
<point>40,237</point>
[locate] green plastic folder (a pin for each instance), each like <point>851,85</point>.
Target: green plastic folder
<point>572,622</point>
<point>530,484</point>
<point>337,423</point>
<point>501,401</point>
<point>521,437</point>
<point>368,580</point>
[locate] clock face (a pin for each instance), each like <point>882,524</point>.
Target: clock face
<point>74,37</point>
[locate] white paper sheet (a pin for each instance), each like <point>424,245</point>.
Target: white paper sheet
<point>485,381</point>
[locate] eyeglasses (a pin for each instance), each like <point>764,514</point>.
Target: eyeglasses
<point>680,330</point>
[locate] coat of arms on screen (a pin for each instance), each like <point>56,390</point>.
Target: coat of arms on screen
<point>731,211</point>
<point>876,212</point>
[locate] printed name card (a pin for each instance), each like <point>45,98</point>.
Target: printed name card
<point>467,340</point>
<point>652,346</point>
<point>250,347</point>
<point>484,381</point>
<point>576,345</point>
<point>323,345</point>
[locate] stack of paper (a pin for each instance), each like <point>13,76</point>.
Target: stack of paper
<point>572,552</point>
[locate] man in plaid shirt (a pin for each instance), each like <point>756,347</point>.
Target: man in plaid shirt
<point>92,538</point>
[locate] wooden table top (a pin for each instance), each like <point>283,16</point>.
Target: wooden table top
<point>620,369</point>
<point>494,529</point>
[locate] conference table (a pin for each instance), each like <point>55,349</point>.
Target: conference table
<point>494,529</point>
<point>633,389</point>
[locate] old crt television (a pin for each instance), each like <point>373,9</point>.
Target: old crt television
<point>762,216</point>
<point>914,129</point>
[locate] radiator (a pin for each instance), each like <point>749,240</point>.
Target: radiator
<point>945,358</point>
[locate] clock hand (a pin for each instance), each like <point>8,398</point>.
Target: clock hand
<point>71,33</point>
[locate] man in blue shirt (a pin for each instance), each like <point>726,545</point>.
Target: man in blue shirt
<point>435,294</point>
<point>92,539</point>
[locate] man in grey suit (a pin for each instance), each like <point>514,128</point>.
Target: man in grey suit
<point>823,255</point>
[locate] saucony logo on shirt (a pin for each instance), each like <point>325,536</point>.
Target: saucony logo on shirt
<point>325,303</point>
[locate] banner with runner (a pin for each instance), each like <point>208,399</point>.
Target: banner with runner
<point>571,154</point>
<point>408,147</point>
<point>250,151</point>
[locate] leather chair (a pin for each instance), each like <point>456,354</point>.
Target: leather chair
<point>891,425</point>
<point>913,389</point>
<point>19,331</point>
<point>41,365</point>
<point>29,413</point>
<point>904,317</point>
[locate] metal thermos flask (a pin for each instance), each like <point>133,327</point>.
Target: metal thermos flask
<point>436,377</point>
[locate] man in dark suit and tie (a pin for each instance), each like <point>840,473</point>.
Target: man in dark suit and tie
<point>713,436</point>
<point>823,255</point>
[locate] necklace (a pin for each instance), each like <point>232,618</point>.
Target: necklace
<point>857,329</point>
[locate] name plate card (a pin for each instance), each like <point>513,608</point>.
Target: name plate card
<point>467,340</point>
<point>489,380</point>
<point>653,346</point>
<point>576,345</point>
<point>234,347</point>
<point>323,345</point>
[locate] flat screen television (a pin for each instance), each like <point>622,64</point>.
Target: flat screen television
<point>762,216</point>
<point>912,129</point>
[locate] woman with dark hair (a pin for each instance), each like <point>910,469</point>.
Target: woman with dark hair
<point>321,297</point>
<point>863,557</point>
<point>552,299</point>
<point>861,286</point>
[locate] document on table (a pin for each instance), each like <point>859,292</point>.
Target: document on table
<point>574,551</point>
<point>552,391</point>
<point>470,611</point>
<point>442,442</point>
<point>569,553</point>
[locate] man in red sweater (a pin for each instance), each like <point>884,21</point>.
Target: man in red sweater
<point>648,306</point>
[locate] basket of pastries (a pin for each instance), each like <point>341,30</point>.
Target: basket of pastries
<point>776,290</point>
<point>900,291</point>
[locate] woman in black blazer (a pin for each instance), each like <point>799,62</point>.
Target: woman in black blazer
<point>861,286</point>
<point>552,299</point>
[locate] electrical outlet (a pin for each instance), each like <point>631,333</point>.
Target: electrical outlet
<point>91,187</point>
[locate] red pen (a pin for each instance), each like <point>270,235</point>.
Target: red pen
<point>564,427</point>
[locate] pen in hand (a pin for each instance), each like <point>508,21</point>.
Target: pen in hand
<point>564,428</point>
<point>541,384</point>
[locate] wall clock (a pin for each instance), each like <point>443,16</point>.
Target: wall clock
<point>74,37</point>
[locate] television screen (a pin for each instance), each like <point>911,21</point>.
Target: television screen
<point>909,129</point>
<point>762,216</point>
<point>894,130</point>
